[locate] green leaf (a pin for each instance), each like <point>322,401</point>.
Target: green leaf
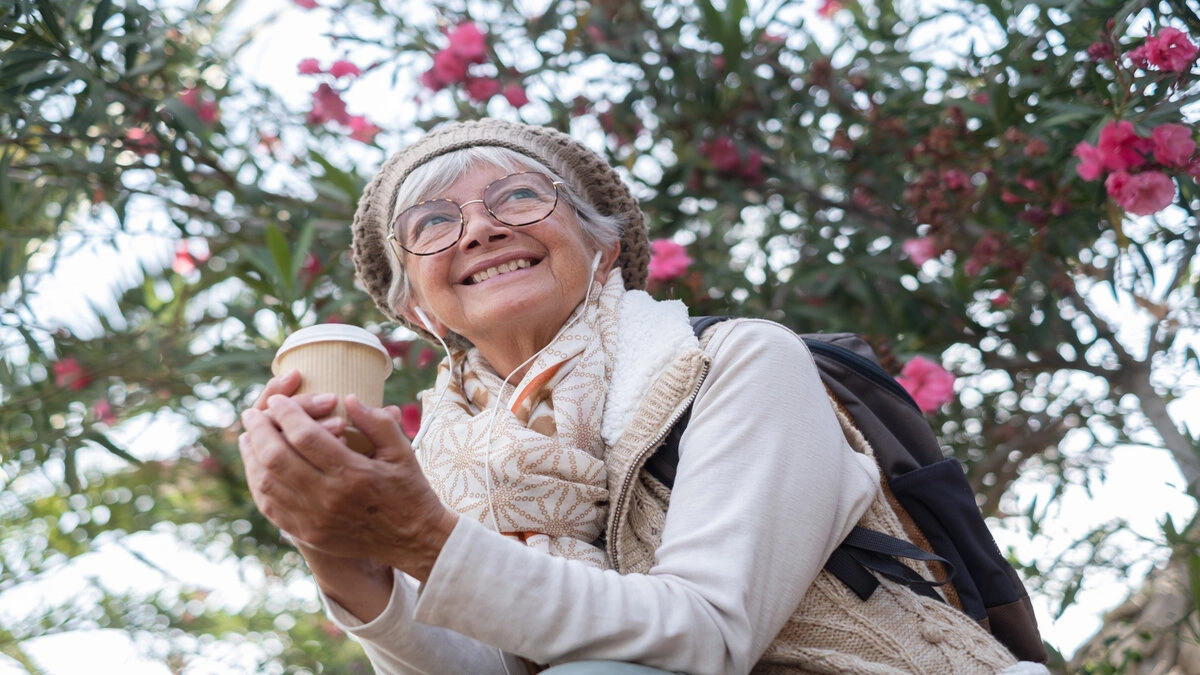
<point>100,17</point>
<point>301,252</point>
<point>51,21</point>
<point>282,255</point>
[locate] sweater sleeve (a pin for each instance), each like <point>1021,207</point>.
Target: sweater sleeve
<point>396,644</point>
<point>766,488</point>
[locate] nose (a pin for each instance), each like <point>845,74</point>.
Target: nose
<point>479,226</point>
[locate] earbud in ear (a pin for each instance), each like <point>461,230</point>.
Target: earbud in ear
<point>596,261</point>
<point>424,319</point>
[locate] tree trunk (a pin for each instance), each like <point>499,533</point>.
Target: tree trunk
<point>1154,632</point>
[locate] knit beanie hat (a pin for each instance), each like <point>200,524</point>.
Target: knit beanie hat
<point>585,171</point>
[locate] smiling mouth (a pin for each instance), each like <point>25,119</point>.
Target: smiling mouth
<point>503,268</point>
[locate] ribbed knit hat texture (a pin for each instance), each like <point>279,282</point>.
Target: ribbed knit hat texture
<point>585,171</point>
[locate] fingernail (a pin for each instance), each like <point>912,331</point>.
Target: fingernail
<point>324,399</point>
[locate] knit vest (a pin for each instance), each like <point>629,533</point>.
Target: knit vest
<point>832,631</point>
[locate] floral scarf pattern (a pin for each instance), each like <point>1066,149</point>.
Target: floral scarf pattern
<point>529,459</point>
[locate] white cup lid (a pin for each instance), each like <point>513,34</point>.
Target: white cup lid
<point>337,332</point>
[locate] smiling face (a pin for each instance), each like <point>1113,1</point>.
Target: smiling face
<point>506,289</point>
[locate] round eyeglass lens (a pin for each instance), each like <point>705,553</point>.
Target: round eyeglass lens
<point>430,226</point>
<point>521,199</point>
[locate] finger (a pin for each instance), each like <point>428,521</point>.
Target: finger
<point>379,425</point>
<point>270,475</point>
<point>334,425</point>
<point>308,437</point>
<point>395,412</point>
<point>317,406</point>
<point>285,384</point>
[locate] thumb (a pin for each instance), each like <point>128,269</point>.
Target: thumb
<point>379,426</point>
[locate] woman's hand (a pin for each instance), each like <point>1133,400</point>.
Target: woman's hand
<point>333,500</point>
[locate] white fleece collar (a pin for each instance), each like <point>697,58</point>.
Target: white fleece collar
<point>650,333</point>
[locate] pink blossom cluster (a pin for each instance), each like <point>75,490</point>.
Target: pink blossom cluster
<point>327,102</point>
<point>141,141</point>
<point>828,8</point>
<point>189,256</point>
<point>452,66</point>
<point>921,250</point>
<point>69,374</point>
<point>930,385</point>
<point>668,261</point>
<point>1137,165</point>
<point>410,419</point>
<point>1169,50</point>
<point>722,152</point>
<point>203,103</point>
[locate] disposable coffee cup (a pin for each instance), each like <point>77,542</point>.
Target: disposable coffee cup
<point>335,358</point>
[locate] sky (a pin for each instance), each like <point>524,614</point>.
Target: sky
<point>1141,486</point>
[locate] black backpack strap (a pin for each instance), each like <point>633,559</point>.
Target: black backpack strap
<point>864,552</point>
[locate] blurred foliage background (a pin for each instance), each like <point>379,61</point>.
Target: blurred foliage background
<point>906,170</point>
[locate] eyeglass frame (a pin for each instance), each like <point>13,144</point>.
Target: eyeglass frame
<point>462,216</point>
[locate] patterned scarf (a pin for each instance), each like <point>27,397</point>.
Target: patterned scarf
<point>529,459</point>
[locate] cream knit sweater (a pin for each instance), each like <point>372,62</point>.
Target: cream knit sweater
<point>729,578</point>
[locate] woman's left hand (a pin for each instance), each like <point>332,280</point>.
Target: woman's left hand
<point>333,499</point>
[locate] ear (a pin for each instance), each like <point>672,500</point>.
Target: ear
<point>608,258</point>
<point>424,319</point>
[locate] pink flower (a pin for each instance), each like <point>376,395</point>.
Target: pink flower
<point>309,67</point>
<point>930,385</point>
<point>921,250</point>
<point>1141,194</point>
<point>430,79</point>
<point>306,4</point>
<point>515,95</point>
<point>1001,300</point>
<point>1009,197</point>
<point>829,8</point>
<point>1091,162</point>
<point>723,154</point>
<point>102,411</point>
<point>327,106</point>
<point>449,67</point>
<point>70,375</point>
<point>141,141</point>
<point>398,349</point>
<point>1173,145</point>
<point>426,357</point>
<point>668,260</point>
<point>310,270</point>
<point>956,179</point>
<point>185,261</point>
<point>1120,146</point>
<point>362,130</point>
<point>205,107</point>
<point>481,89</point>
<point>1170,50</point>
<point>344,69</point>
<point>410,419</point>
<point>467,41</point>
<point>1101,51</point>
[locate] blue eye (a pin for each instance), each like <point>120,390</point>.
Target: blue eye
<point>434,220</point>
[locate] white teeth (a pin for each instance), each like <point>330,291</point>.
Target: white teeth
<point>490,272</point>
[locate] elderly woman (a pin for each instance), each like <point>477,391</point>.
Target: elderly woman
<point>520,529</point>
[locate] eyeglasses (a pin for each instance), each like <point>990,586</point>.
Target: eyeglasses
<point>516,200</point>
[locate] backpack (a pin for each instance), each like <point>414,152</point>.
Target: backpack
<point>932,491</point>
